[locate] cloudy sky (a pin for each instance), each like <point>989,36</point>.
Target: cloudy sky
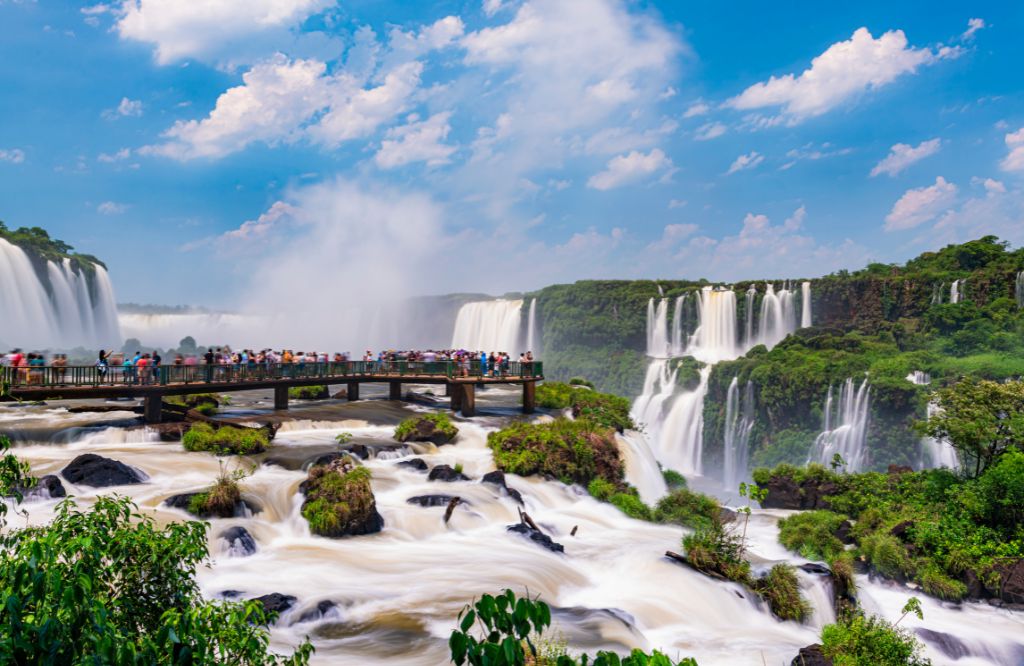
<point>223,151</point>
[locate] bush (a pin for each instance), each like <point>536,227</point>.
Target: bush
<point>339,500</point>
<point>780,588</point>
<point>673,479</point>
<point>220,500</point>
<point>571,451</point>
<point>226,439</point>
<point>717,552</point>
<point>318,392</point>
<point>689,509</point>
<point>858,640</point>
<point>204,403</point>
<point>812,534</point>
<point>434,427</point>
<point>580,381</point>
<point>886,554</point>
<point>631,505</point>
<point>604,409</point>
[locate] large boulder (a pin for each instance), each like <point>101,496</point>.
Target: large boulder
<point>96,471</point>
<point>431,500</point>
<point>435,427</point>
<point>46,487</point>
<point>201,505</point>
<point>812,655</point>
<point>414,463</point>
<point>1011,582</point>
<point>808,494</point>
<point>275,602</point>
<point>339,500</point>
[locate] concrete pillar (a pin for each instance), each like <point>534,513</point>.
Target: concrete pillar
<point>280,397</point>
<point>448,389</point>
<point>468,400</point>
<point>455,391</point>
<point>529,397</point>
<point>395,390</point>
<point>353,391</point>
<point>152,408</point>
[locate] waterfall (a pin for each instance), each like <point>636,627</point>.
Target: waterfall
<point>748,339</point>
<point>659,386</point>
<point>937,292</point>
<point>488,326</point>
<point>715,338</point>
<point>642,469</point>
<point>935,452</point>
<point>846,430</point>
<point>739,421</point>
<point>1020,289</point>
<point>920,378</point>
<point>956,291</point>
<point>680,442</point>
<point>805,304</point>
<point>60,308</point>
<point>657,328</point>
<point>678,332</point>
<point>778,317</point>
<point>531,329</point>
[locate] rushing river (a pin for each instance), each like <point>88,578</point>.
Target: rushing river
<point>396,594</point>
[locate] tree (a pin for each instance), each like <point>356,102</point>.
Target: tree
<point>187,345</point>
<point>981,419</point>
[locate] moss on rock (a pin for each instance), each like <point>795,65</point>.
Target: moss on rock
<point>571,451</point>
<point>339,500</point>
<point>225,439</point>
<point>435,427</point>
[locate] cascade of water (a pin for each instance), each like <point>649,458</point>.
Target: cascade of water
<point>1020,289</point>
<point>739,421</point>
<point>531,329</point>
<point>845,432</point>
<point>805,304</point>
<point>937,452</point>
<point>75,310</point>
<point>488,326</point>
<point>748,339</point>
<point>642,471</point>
<point>715,338</point>
<point>778,318</point>
<point>919,377</point>
<point>956,291</point>
<point>937,291</point>
<point>657,329</point>
<point>678,331</point>
<point>659,385</point>
<point>680,442</point>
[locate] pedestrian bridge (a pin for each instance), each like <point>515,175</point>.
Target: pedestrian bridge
<point>151,384</point>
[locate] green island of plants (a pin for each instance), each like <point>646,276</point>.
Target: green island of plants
<point>434,427</point>
<point>571,451</point>
<point>339,500</point>
<point>319,392</point>
<point>206,404</point>
<point>604,409</point>
<point>225,440</point>
<point>221,499</point>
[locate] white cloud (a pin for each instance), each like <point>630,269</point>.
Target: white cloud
<point>111,208</point>
<point>811,152</point>
<point>675,203</point>
<point>1014,160</point>
<point>672,235</point>
<point>274,217</point>
<point>994,187</point>
<point>902,155</point>
<point>492,7</point>
<point>12,155</point>
<point>973,26</point>
<point>421,141</point>
<point>920,205</point>
<point>842,71</point>
<point>629,168</point>
<point>201,28</point>
<point>748,161</point>
<point>126,108</point>
<point>696,109</point>
<point>122,154</point>
<point>709,131</point>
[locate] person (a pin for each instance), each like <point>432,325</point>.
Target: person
<point>483,364</point>
<point>142,368</point>
<point>529,363</point>
<point>129,369</point>
<point>102,363</point>
<point>60,362</point>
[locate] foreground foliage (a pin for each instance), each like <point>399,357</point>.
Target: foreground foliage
<point>868,640</point>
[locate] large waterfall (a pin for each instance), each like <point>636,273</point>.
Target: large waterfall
<point>845,430</point>
<point>531,330</point>
<point>489,326</point>
<point>805,304</point>
<point>63,308</point>
<point>739,422</point>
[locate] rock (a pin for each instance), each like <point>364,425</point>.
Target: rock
<point>46,487</point>
<point>900,530</point>
<point>360,450</point>
<point>537,537</point>
<point>414,463</point>
<point>844,532</point>
<point>811,655</point>
<point>1011,582</point>
<point>275,602</point>
<point>240,542</point>
<point>183,500</point>
<point>321,609</point>
<point>446,473</point>
<point>785,493</point>
<point>726,515</point>
<point>497,477</point>
<point>96,471</point>
<point>975,588</point>
<point>947,644</point>
<point>815,568</point>
<point>426,429</point>
<point>431,500</point>
<point>339,500</point>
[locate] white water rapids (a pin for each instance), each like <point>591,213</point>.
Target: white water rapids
<point>397,593</point>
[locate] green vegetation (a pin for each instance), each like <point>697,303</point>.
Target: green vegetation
<point>510,632</point>
<point>673,479</point>
<point>717,552</point>
<point>571,451</point>
<point>622,496</point>
<point>436,427</point>
<point>225,440</point>
<point>689,509</point>
<point>36,242</point>
<point>604,409</point>
<point>221,499</point>
<point>780,588</point>
<point>339,500</point>
<point>206,404</point>
<point>318,392</point>
<point>868,640</point>
<point>581,381</point>
<point>812,534</point>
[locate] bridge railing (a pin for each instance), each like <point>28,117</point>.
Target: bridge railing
<point>164,375</point>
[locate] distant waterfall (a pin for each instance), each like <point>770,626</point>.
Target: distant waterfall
<point>739,422</point>
<point>937,291</point>
<point>531,330</point>
<point>715,338</point>
<point>805,304</point>
<point>659,386</point>
<point>680,442</point>
<point>937,452</point>
<point>1020,289</point>
<point>920,378</point>
<point>778,317</point>
<point>679,340</point>
<point>845,429</point>
<point>657,328</point>
<point>748,339</point>
<point>76,310</point>
<point>488,326</point>
<point>956,291</point>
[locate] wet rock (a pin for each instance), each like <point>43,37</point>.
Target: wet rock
<point>975,588</point>
<point>1011,579</point>
<point>275,602</point>
<point>844,532</point>
<point>900,530</point>
<point>431,500</point>
<point>240,509</point>
<point>537,537</point>
<point>46,487</point>
<point>318,612</point>
<point>497,477</point>
<point>816,569</point>
<point>947,644</point>
<point>785,493</point>
<point>423,428</point>
<point>446,473</point>
<point>96,471</point>
<point>812,655</point>
<point>339,500</point>
<point>414,463</point>
<point>360,450</point>
<point>240,542</point>
<point>726,515</point>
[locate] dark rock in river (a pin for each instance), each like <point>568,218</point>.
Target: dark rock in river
<point>431,500</point>
<point>339,500</point>
<point>726,515</point>
<point>316,613</point>
<point>96,471</point>
<point>414,463</point>
<point>947,644</point>
<point>537,537</point>
<point>497,477</point>
<point>844,532</point>
<point>240,542</point>
<point>275,602</point>
<point>785,493</point>
<point>46,487</point>
<point>816,569</point>
<point>239,510</point>
<point>446,473</point>
<point>1011,579</point>
<point>812,655</point>
<point>425,429</point>
<point>900,530</point>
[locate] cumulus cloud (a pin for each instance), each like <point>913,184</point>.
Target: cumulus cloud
<point>920,205</point>
<point>844,70</point>
<point>973,26</point>
<point>126,108</point>
<point>418,141</point>
<point>111,208</point>
<point>1014,160</point>
<point>118,156</point>
<point>902,155</point>
<point>12,155</point>
<point>202,28</point>
<point>672,235</point>
<point>698,108</point>
<point>630,168</point>
<point>748,161</point>
<point>709,131</point>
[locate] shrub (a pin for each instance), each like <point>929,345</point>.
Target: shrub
<point>204,403</point>
<point>673,479</point>
<point>318,392</point>
<point>339,500</point>
<point>580,381</point>
<point>886,554</point>
<point>936,583</point>
<point>780,588</point>
<point>221,499</point>
<point>604,409</point>
<point>225,440</point>
<point>812,534</point>
<point>859,640</point>
<point>631,505</point>
<point>688,508</point>
<point>718,552</point>
<point>434,427</point>
<point>571,451</point>
<point>601,489</point>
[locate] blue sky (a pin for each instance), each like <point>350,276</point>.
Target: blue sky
<point>220,152</point>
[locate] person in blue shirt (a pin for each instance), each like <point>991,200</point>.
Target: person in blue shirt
<point>483,364</point>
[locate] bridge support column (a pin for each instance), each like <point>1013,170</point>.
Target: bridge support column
<point>448,389</point>
<point>280,397</point>
<point>152,409</point>
<point>529,397</point>
<point>468,400</point>
<point>395,390</point>
<point>353,391</point>
<point>455,391</point>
